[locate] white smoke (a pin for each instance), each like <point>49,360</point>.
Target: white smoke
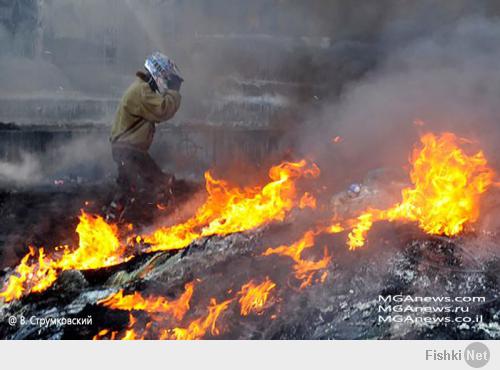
<point>449,80</point>
<point>22,172</point>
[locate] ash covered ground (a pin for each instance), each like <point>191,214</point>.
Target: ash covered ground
<point>399,261</point>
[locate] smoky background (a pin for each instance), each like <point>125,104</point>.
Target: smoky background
<point>299,73</point>
<point>446,81</point>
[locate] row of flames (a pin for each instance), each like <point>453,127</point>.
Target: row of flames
<point>164,315</point>
<point>444,197</point>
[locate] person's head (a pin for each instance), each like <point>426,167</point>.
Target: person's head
<point>163,72</point>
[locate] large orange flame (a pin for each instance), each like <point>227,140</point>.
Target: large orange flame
<point>98,247</point>
<point>230,209</point>
<point>16,284</point>
<point>253,297</point>
<point>444,197</point>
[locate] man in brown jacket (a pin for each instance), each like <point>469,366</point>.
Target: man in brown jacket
<point>152,98</point>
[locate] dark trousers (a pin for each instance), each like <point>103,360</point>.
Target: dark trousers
<point>138,174</point>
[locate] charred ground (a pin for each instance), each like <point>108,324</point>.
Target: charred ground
<point>400,261</point>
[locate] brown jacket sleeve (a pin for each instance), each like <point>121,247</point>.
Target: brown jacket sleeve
<point>157,108</point>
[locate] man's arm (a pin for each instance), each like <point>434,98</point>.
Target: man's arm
<point>158,108</point>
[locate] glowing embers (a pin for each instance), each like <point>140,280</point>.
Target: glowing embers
<point>136,302</point>
<point>304,269</point>
<point>198,328</point>
<point>253,297</point>
<point>307,201</point>
<point>445,194</point>
<point>165,319</point>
